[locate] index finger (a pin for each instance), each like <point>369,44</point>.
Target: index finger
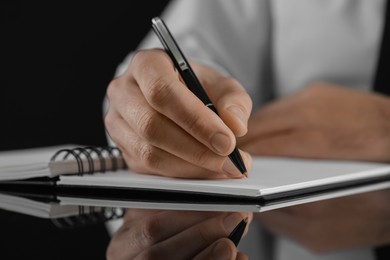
<point>165,92</point>
<point>233,102</point>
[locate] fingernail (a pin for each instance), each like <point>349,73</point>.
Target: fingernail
<point>231,221</point>
<point>220,143</point>
<point>238,113</point>
<point>230,168</point>
<point>221,251</point>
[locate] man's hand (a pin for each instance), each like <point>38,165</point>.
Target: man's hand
<point>323,121</point>
<point>154,234</point>
<point>328,122</point>
<point>163,128</point>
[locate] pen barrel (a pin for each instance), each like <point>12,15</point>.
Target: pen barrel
<point>193,84</point>
<point>236,159</point>
<point>188,76</point>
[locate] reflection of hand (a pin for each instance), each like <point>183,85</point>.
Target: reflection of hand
<point>348,222</point>
<point>163,128</point>
<point>329,122</point>
<point>323,121</point>
<point>152,234</point>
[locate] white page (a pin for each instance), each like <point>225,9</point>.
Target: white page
<point>269,175</point>
<point>26,163</point>
<point>25,158</point>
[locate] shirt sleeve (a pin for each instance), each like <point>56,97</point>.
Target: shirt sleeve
<point>231,36</point>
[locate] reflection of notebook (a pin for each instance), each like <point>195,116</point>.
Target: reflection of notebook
<point>45,204</point>
<point>272,181</point>
<point>39,207</point>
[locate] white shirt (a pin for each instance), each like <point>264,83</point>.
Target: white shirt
<point>276,47</point>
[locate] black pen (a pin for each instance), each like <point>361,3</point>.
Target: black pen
<point>236,234</point>
<point>190,78</point>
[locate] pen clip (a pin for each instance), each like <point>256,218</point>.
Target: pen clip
<point>169,43</point>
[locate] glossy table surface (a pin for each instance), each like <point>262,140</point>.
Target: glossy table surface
<point>36,227</point>
<point>33,234</point>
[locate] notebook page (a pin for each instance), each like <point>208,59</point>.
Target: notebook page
<point>69,159</point>
<point>26,163</point>
<point>268,175</point>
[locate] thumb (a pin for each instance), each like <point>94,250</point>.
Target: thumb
<point>233,104</point>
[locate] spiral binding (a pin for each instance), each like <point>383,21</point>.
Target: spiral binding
<point>89,215</point>
<point>80,154</point>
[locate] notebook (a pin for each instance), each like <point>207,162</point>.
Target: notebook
<point>53,161</point>
<point>206,202</point>
<point>273,182</point>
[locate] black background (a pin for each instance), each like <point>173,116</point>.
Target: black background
<point>56,60</point>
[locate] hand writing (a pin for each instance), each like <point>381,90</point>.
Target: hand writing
<point>163,128</point>
<point>323,121</point>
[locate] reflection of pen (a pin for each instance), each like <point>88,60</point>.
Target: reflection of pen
<point>189,77</point>
<point>237,232</point>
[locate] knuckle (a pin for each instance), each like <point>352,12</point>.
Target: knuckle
<point>112,88</point>
<point>140,57</point>
<point>148,123</point>
<point>159,91</point>
<point>108,121</point>
<point>149,156</point>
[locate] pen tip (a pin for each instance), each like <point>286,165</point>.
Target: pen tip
<point>245,174</point>
<point>246,220</point>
